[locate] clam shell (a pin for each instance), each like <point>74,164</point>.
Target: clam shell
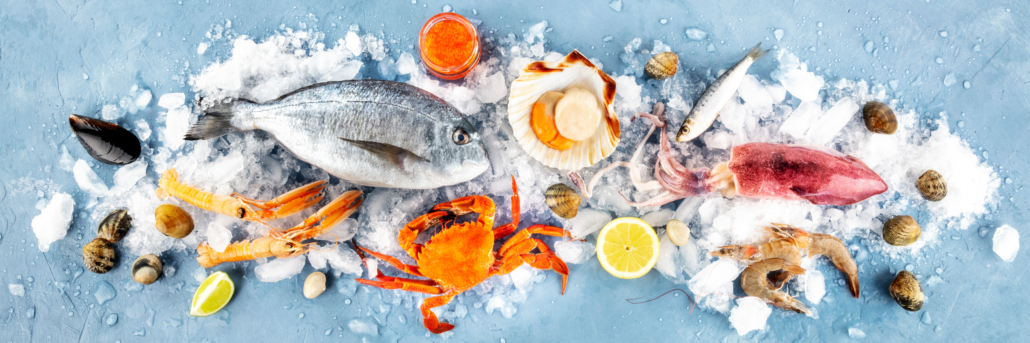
<point>932,186</point>
<point>173,221</point>
<point>678,232</point>
<point>314,285</point>
<point>147,269</point>
<point>538,78</point>
<point>106,142</point>
<point>901,231</point>
<point>879,118</point>
<point>114,227</point>
<point>662,66</point>
<point>563,200</point>
<point>907,291</point>
<point>98,255</point>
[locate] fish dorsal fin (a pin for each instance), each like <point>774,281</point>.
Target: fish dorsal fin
<point>394,154</point>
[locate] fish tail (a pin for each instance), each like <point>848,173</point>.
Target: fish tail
<point>217,121</point>
<point>757,52</point>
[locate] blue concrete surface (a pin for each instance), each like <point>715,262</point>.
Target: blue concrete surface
<point>47,46</point>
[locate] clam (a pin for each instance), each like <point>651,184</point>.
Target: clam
<point>879,118</point>
<point>678,232</point>
<point>662,66</point>
<point>98,255</point>
<point>173,221</point>
<point>931,184</point>
<point>907,291</point>
<point>314,285</point>
<point>901,231</point>
<point>563,200</point>
<point>146,269</point>
<point>114,227</point>
<point>588,112</point>
<point>106,142</point>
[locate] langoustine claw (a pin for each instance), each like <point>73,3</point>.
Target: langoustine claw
<point>755,170</point>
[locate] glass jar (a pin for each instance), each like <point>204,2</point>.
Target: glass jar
<point>449,46</point>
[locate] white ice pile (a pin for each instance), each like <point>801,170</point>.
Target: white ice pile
<point>280,269</point>
<point>52,223</point>
<point>341,258</point>
<point>1006,243</point>
<point>749,315</point>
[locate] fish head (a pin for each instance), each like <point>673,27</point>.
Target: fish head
<point>457,152</point>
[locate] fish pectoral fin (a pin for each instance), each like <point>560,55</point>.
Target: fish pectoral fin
<point>394,154</point>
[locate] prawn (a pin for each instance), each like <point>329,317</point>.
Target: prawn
<point>238,206</point>
<point>833,248</point>
<point>284,244</point>
<point>754,281</point>
<point>787,244</point>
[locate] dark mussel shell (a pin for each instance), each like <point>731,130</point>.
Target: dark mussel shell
<point>106,142</point>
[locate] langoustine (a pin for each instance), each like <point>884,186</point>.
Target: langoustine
<point>755,170</point>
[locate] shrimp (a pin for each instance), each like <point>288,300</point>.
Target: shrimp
<point>787,244</point>
<point>833,248</point>
<point>284,244</point>
<point>238,206</point>
<point>754,281</point>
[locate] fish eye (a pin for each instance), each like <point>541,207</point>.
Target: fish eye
<point>461,137</point>
<point>241,212</point>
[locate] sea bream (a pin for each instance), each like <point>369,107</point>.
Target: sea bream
<point>707,108</point>
<point>368,132</point>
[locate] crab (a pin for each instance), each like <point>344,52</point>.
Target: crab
<point>461,255</point>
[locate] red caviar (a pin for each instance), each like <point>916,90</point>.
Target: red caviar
<point>449,46</point>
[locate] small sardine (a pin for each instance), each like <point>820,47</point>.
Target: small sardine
<point>707,108</point>
<point>368,132</point>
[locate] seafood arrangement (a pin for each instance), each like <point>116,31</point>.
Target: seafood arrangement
<point>461,255</point>
<point>350,129</point>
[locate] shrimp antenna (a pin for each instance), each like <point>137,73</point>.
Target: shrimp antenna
<point>656,298</point>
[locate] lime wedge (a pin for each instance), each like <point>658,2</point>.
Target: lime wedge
<point>214,293</point>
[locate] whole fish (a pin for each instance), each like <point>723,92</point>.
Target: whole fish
<point>707,108</point>
<point>368,132</point>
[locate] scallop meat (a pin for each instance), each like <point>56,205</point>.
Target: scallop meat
<point>105,141</point>
<point>879,118</point>
<point>662,66</point>
<point>98,255</point>
<point>907,291</point>
<point>114,227</point>
<point>901,231</point>
<point>932,186</point>
<point>173,221</point>
<point>563,200</point>
<point>147,269</point>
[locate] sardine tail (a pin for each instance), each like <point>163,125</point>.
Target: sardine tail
<point>215,122</point>
<point>757,52</point>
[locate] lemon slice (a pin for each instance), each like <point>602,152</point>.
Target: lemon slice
<point>212,295</point>
<point>627,247</point>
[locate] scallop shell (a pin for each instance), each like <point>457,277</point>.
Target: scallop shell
<point>98,255</point>
<point>879,118</point>
<point>678,232</point>
<point>173,221</point>
<point>562,200</point>
<point>901,231</point>
<point>114,227</point>
<point>106,142</point>
<point>147,269</point>
<point>907,291</point>
<point>574,71</point>
<point>662,66</point>
<point>931,184</point>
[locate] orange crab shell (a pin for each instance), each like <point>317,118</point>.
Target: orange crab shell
<point>459,257</point>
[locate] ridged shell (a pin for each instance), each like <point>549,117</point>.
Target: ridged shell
<point>901,231</point>
<point>563,200</point>
<point>678,232</point>
<point>907,291</point>
<point>662,66</point>
<point>574,71</point>
<point>879,118</point>
<point>173,221</point>
<point>147,269</point>
<point>98,255</point>
<point>106,142</point>
<point>114,227</point>
<point>314,285</point>
<point>932,186</point>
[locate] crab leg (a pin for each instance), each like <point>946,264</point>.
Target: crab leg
<point>516,250</point>
<point>429,318</point>
<point>406,237</point>
<point>407,268</point>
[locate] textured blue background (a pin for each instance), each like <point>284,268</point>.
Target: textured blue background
<point>46,47</point>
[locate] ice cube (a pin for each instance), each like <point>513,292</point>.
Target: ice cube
<point>88,180</point>
<point>406,64</point>
<point>586,222</point>
<point>832,122</point>
<point>1006,242</point>
<point>778,33</point>
<point>749,315</point>
<point>218,236</point>
<point>171,100</point>
<point>143,130</point>
<point>522,277</point>
<point>143,99</point>
<point>280,269</point>
<point>856,333</point>
<point>492,88</point>
<point>667,254</point>
<point>363,326</point>
<point>16,289</point>
<point>353,43</point>
<point>657,218</point>
<point>535,32</point>
<point>66,162</point>
<point>815,286</point>
<point>342,232</point>
<point>801,119</point>
<point>949,79</point>
<point>712,282</point>
<point>111,112</point>
<point>52,223</point>
<point>201,48</point>
<point>574,251</point>
<point>341,258</point>
<point>127,176</point>
<point>177,123</point>
<point>615,5</point>
<point>696,34</point>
